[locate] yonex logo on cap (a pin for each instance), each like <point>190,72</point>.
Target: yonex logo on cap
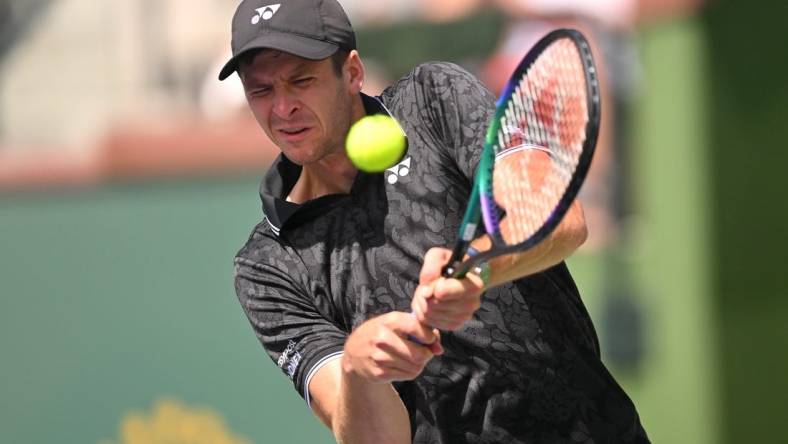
<point>266,12</point>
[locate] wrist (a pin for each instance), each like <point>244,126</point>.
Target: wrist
<point>349,371</point>
<point>482,269</point>
<point>354,375</point>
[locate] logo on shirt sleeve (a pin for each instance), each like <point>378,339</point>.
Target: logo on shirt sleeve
<point>289,359</point>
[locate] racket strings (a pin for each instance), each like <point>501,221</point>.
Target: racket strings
<point>541,136</point>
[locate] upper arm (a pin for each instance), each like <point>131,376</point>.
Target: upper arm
<point>457,109</point>
<point>293,331</point>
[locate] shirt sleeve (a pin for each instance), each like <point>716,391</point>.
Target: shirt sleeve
<point>293,331</point>
<point>457,108</point>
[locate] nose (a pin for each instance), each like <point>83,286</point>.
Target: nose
<point>285,104</point>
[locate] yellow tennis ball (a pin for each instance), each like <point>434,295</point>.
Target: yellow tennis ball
<point>375,143</point>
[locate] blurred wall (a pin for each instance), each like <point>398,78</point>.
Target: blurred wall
<point>84,66</point>
<point>749,130</point>
<point>671,250</point>
<point>119,324</point>
<point>117,314</point>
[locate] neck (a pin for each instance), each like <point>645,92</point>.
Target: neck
<point>333,174</point>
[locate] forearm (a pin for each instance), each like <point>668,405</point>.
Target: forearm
<point>354,395</point>
<point>369,412</point>
<point>567,237</point>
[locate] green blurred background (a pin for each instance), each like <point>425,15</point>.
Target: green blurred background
<point>119,324</point>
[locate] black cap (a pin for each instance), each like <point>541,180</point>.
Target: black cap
<point>312,29</point>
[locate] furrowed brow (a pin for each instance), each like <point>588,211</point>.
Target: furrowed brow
<point>303,69</point>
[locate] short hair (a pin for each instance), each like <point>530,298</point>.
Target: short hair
<point>245,59</point>
<point>337,59</point>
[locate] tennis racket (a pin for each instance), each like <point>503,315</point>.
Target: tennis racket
<point>537,151</point>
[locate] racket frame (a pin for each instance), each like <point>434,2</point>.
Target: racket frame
<point>481,193</point>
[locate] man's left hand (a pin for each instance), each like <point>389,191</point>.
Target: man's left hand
<point>445,303</point>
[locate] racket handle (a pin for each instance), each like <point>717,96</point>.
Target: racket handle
<point>454,269</point>
<point>416,340</point>
<point>457,255</point>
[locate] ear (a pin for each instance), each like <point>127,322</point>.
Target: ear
<point>353,72</point>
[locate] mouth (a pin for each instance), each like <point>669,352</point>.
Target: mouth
<point>293,132</point>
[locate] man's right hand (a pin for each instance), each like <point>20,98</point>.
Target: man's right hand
<point>379,350</point>
<point>354,396</point>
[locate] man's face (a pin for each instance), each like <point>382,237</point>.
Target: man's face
<point>303,106</point>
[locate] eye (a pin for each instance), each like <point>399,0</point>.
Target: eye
<point>304,81</point>
<point>259,91</point>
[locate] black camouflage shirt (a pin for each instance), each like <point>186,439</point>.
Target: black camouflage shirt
<point>525,369</point>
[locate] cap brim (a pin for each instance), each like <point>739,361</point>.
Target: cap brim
<point>297,45</point>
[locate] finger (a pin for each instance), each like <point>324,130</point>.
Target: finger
<point>436,347</point>
<point>468,303</point>
<point>438,319</point>
<point>407,325</point>
<point>389,374</point>
<point>454,309</point>
<point>449,323</point>
<point>450,316</point>
<point>424,291</point>
<point>403,349</point>
<point>446,319</point>
<point>449,289</point>
<point>434,260</point>
<point>420,334</point>
<point>418,307</point>
<point>388,357</point>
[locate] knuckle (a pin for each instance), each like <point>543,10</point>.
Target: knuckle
<point>390,318</point>
<point>375,341</point>
<point>442,295</point>
<point>434,251</point>
<point>379,358</point>
<point>380,339</point>
<point>378,373</point>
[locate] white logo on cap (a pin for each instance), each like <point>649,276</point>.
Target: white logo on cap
<point>266,12</point>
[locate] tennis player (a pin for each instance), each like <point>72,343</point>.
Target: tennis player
<point>331,276</point>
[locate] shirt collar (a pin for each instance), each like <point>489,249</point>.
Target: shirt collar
<point>283,175</point>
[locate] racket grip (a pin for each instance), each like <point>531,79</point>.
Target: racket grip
<point>416,340</point>
<point>451,270</point>
<point>457,255</point>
